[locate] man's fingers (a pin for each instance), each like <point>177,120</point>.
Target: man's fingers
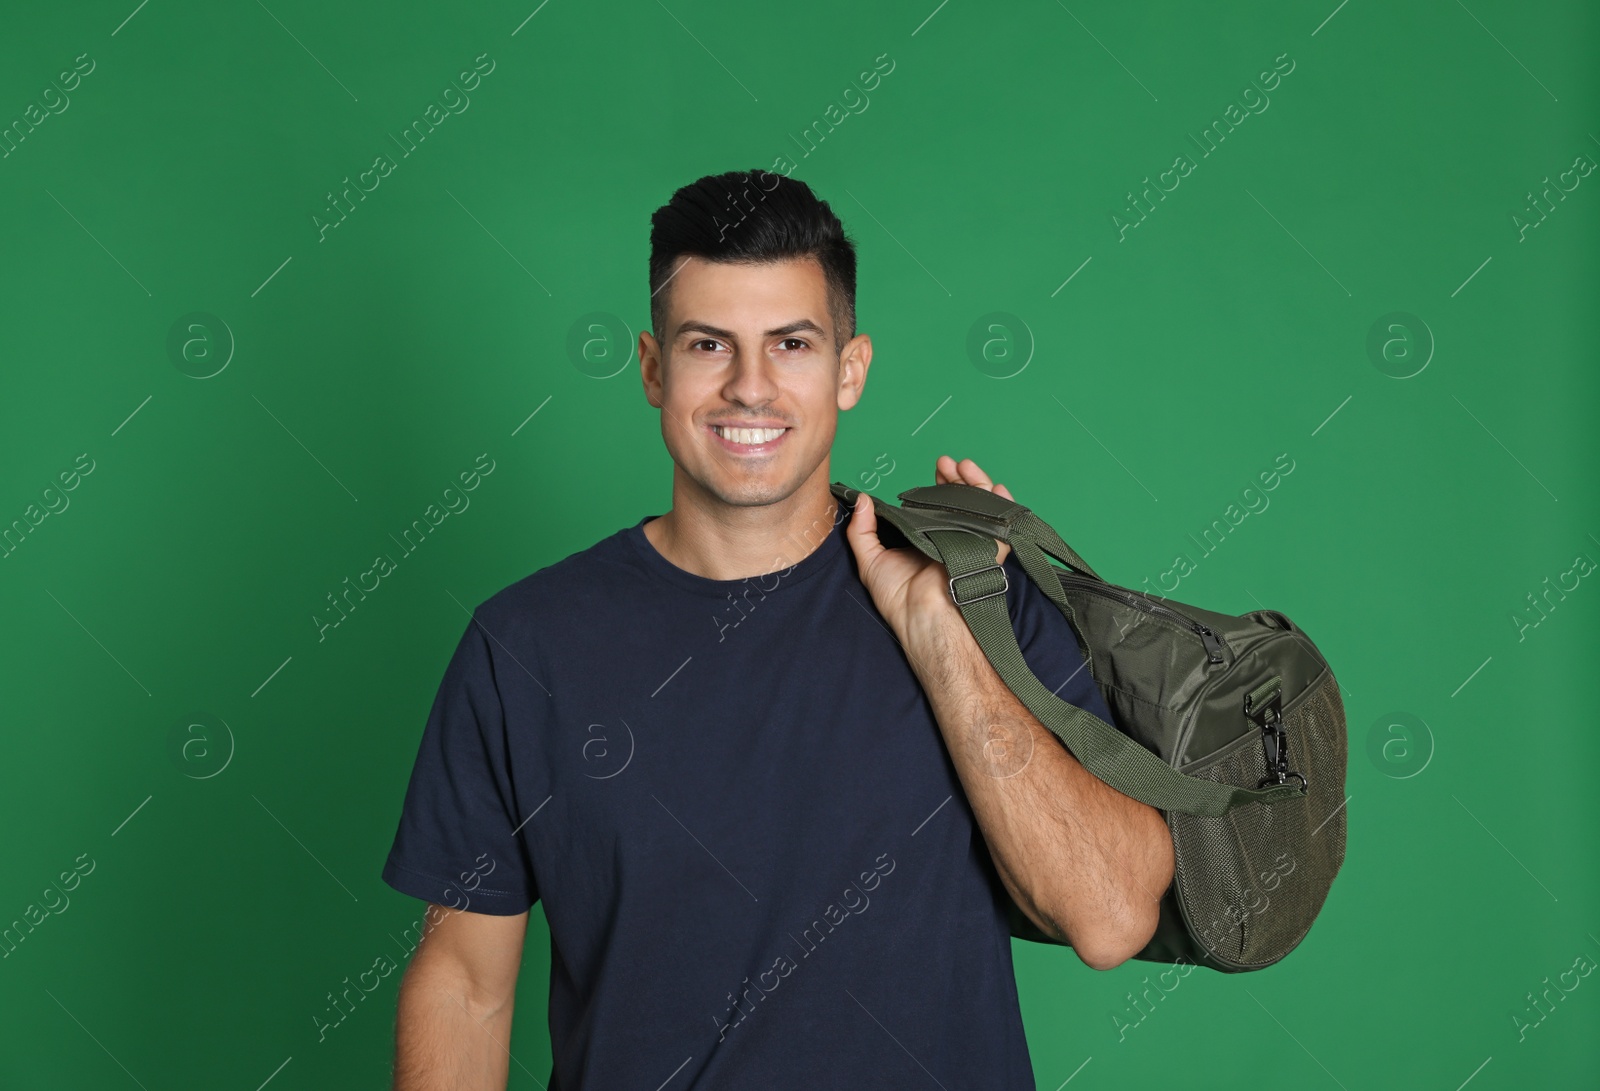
<point>968,472</point>
<point>861,530</point>
<point>965,472</point>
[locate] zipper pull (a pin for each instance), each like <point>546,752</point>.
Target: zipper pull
<point>1212,641</point>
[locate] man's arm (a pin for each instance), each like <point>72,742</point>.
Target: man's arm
<point>453,1026</point>
<point>1084,862</point>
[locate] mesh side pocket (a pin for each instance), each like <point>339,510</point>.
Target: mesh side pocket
<point>1251,881</point>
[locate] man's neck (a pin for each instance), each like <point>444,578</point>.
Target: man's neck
<point>734,543</point>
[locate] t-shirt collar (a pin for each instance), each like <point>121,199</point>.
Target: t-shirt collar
<point>819,558</point>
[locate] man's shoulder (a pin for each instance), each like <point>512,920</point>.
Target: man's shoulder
<point>578,578</point>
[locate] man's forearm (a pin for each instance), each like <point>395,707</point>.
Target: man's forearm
<point>441,1046</point>
<point>1085,862</point>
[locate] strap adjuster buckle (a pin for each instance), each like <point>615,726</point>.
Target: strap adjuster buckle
<point>1005,585</point>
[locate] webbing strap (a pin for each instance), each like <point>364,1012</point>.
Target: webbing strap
<point>1010,516</point>
<point>969,557</point>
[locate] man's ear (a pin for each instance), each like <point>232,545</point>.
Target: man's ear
<point>853,364</point>
<point>650,368</point>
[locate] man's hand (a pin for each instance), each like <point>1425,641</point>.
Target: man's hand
<point>906,585</point>
<point>1085,863</point>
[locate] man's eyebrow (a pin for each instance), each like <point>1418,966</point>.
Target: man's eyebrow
<point>695,326</point>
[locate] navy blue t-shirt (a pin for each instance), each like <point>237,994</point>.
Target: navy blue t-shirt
<point>755,855</point>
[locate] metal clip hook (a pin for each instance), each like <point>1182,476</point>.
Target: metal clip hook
<point>1269,717</point>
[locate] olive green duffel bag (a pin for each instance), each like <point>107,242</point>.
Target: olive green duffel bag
<point>1232,727</point>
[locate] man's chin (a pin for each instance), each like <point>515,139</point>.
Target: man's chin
<point>754,489</point>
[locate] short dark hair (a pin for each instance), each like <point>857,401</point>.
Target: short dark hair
<point>752,217</point>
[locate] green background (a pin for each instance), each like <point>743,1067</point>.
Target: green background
<point>1167,369</point>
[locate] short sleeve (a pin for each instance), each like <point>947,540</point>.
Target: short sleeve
<point>1049,645</point>
<point>458,843</point>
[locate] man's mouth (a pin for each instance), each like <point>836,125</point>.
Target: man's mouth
<point>749,440</point>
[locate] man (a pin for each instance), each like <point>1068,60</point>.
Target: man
<point>775,801</point>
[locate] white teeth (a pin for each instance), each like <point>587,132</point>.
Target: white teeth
<point>750,436</point>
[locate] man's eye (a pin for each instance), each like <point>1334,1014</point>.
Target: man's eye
<point>788,344</point>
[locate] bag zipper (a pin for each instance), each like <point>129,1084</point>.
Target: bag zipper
<point>1213,641</point>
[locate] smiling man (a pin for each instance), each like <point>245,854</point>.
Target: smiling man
<point>781,813</point>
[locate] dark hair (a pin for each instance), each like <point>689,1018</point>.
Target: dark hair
<point>752,217</point>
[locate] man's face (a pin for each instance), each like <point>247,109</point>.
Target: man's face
<point>749,350</point>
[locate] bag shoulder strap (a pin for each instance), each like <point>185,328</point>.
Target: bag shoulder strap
<point>969,556</point>
<point>1010,514</point>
